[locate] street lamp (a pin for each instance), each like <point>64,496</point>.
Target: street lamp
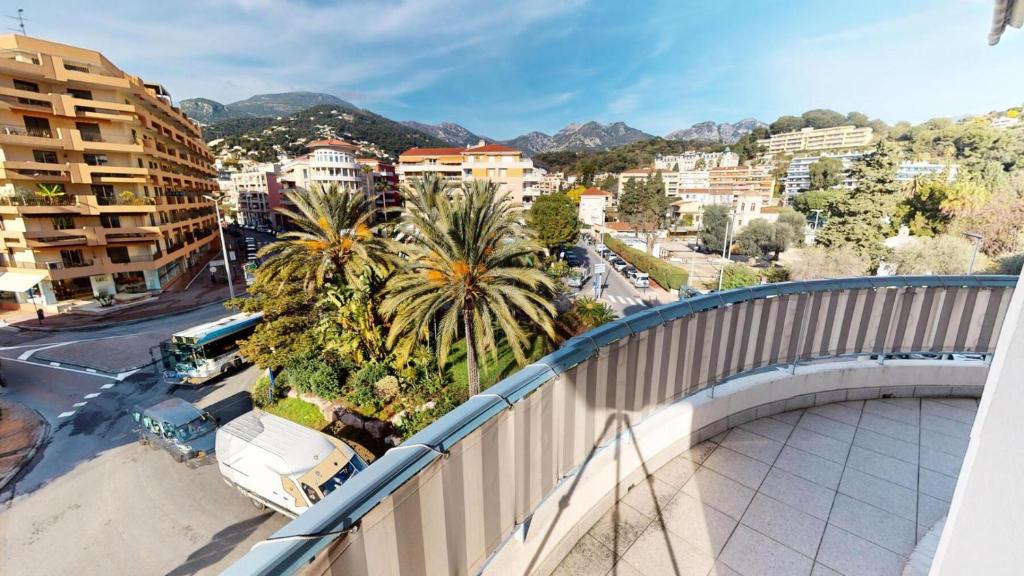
<point>977,238</point>
<point>223,244</point>
<point>727,247</point>
<point>817,213</point>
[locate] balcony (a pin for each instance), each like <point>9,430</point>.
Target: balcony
<point>706,395</point>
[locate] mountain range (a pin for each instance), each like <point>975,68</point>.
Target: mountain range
<point>272,117</point>
<point>206,111</point>
<point>714,133</point>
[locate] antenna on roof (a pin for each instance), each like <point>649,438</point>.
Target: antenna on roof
<point>21,21</point>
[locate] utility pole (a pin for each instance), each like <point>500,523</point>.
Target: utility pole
<point>223,244</point>
<point>21,22</point>
<point>727,247</point>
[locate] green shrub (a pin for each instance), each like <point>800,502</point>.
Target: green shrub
<point>387,388</point>
<point>666,275</point>
<point>776,274</point>
<point>738,276</point>
<point>1011,264</point>
<point>414,420</point>
<point>311,373</point>
<point>261,392</point>
<point>360,388</point>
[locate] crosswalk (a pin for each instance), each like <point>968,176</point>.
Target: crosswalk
<point>627,300</point>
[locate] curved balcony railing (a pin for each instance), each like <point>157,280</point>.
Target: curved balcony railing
<point>447,498</point>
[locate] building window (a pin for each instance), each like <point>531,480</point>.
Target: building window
<point>80,94</point>
<point>38,127</point>
<point>45,156</point>
<point>90,132</point>
<point>72,258</point>
<point>118,254</point>
<point>63,222</point>
<point>96,159</point>
<point>111,220</point>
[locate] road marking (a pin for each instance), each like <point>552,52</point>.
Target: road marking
<point>120,377</point>
<point>105,386</point>
<point>65,368</point>
<point>91,396</point>
<point>66,414</point>
<point>93,370</point>
<point>78,404</point>
<point>55,364</point>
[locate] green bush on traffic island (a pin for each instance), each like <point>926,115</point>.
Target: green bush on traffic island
<point>666,275</point>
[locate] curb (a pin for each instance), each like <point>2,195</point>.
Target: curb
<point>42,434</point>
<point>114,324</point>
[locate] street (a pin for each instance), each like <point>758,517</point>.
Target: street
<point>616,291</point>
<point>93,497</point>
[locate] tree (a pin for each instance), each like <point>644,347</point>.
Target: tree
<point>857,119</point>
<point>286,330</point>
<point>335,242</point>
<point>574,194</point>
<point>468,266</point>
<point>700,164</point>
<point>737,275</point>
<point>865,216</point>
<point>808,202</point>
<point>787,124</point>
<point>763,238</point>
<point>939,255</point>
<point>923,206</point>
<point>553,218</point>
<point>823,118</point>
<point>714,226</point>
<point>826,173</point>
<point>998,220</point>
<point>609,183</point>
<point>796,222</point>
<point>815,262</point>
<point>643,206</point>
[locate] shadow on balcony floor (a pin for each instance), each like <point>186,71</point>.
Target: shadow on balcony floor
<point>846,488</point>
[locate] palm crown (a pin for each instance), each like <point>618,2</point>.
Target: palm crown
<point>468,264</point>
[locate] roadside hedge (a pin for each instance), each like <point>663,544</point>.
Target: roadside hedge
<point>666,275</point>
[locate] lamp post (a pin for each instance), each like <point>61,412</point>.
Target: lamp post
<point>817,213</point>
<point>977,238</point>
<point>727,247</point>
<point>223,244</point>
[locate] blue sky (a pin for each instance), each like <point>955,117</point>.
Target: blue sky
<point>506,68</point>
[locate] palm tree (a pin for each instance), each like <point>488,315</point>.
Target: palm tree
<point>593,313</point>
<point>335,241</point>
<point>468,265</point>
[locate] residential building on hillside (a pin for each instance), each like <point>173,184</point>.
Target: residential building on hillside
<point>811,139</point>
<point>910,169</point>
<point>329,162</point>
<point>691,180</point>
<point>501,164</point>
<point>1005,122</point>
<point>641,175</point>
<point>256,194</point>
<point>798,175</point>
<point>692,160</point>
<point>549,183</point>
<point>593,205</point>
<point>103,181</point>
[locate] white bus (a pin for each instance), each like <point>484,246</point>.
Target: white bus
<point>202,352</point>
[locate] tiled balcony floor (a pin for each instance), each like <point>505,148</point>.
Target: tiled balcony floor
<point>845,488</point>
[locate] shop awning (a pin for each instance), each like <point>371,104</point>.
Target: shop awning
<point>20,280</point>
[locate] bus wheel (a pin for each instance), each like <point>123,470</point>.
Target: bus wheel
<point>238,363</point>
<point>257,504</point>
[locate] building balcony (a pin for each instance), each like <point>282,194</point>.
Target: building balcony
<point>765,429</point>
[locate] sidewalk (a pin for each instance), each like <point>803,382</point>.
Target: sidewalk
<point>22,431</point>
<point>173,300</point>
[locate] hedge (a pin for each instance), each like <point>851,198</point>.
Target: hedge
<point>666,275</point>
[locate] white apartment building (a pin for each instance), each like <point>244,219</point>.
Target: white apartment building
<point>811,139</point>
<point>798,176</point>
<point>689,160</point>
<point>593,205</point>
<point>329,162</point>
<point>909,170</point>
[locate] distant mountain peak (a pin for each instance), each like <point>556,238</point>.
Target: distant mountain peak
<point>450,132</point>
<point>206,111</point>
<point>590,135</point>
<point>714,133</point>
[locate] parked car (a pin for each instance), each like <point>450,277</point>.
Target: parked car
<point>641,280</point>
<point>619,264</point>
<point>575,279</point>
<point>629,272</point>
<point>181,429</point>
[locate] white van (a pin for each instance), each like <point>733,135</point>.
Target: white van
<point>277,463</point>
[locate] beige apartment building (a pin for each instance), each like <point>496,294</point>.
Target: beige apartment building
<point>809,139</point>
<point>102,179</point>
<point>495,162</point>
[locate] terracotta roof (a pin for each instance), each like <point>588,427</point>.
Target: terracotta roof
<point>594,192</point>
<point>432,152</point>
<point>489,148</point>
<point>619,226</point>
<point>640,171</point>
<point>331,143</point>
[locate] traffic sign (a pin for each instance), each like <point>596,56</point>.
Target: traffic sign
<point>599,268</point>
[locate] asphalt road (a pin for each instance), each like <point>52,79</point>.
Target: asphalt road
<point>94,501</point>
<point>616,291</point>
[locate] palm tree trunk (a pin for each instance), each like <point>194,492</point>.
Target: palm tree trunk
<point>471,367</point>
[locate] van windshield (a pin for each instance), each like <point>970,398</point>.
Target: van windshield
<point>195,428</point>
<point>343,474</point>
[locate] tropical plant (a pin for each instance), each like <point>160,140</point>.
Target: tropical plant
<point>51,193</point>
<point>470,264</point>
<point>350,325</point>
<point>592,313</point>
<point>334,242</point>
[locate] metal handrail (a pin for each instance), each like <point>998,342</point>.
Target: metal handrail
<point>344,508</point>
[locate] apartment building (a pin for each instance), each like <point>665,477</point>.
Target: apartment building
<point>550,183</point>
<point>641,175</point>
<point>382,182</point>
<point>255,194</point>
<point>798,174</point>
<point>329,162</point>
<point>594,204</point>
<point>811,139</point>
<point>693,160</point>
<point>103,182</point>
<point>910,169</point>
<point>495,162</point>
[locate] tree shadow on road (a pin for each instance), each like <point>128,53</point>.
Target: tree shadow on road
<point>221,544</point>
